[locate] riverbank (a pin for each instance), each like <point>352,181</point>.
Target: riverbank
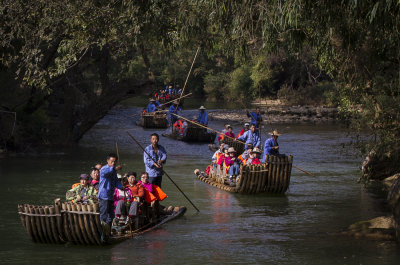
<point>274,111</point>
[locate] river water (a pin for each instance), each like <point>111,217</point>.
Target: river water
<point>296,228</point>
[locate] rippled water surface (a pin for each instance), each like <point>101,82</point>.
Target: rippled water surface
<point>295,228</point>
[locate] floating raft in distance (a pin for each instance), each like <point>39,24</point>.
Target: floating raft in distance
<point>79,223</point>
<point>271,177</point>
<point>192,133</point>
<point>154,120</point>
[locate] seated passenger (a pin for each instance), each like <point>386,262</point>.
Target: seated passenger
<point>229,132</point>
<point>123,202</point>
<point>234,164</point>
<point>135,187</point>
<point>254,157</point>
<point>245,129</point>
<point>178,126</point>
<point>222,158</point>
<point>152,191</point>
<point>95,176</point>
<point>222,135</point>
<point>217,155</point>
<point>220,151</point>
<point>246,153</point>
<point>144,181</point>
<point>83,192</point>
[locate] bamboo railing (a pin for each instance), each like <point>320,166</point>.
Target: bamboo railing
<point>271,177</point>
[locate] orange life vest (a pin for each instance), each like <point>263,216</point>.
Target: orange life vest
<point>148,196</point>
<point>179,125</point>
<point>158,193</point>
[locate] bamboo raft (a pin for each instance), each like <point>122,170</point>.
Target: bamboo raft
<point>154,120</point>
<point>192,133</point>
<point>77,223</point>
<point>270,177</point>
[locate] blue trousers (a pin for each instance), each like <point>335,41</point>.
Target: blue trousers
<point>234,170</point>
<point>106,210</point>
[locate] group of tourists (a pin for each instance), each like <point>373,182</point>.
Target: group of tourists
<point>167,93</point>
<point>119,197</point>
<point>226,156</point>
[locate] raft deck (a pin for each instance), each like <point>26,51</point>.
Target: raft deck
<point>154,120</point>
<point>77,223</point>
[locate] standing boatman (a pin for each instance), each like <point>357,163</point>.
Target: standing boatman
<point>174,108</point>
<point>271,146</point>
<point>108,182</point>
<point>202,119</point>
<point>251,137</point>
<point>256,118</point>
<point>151,107</point>
<point>155,152</point>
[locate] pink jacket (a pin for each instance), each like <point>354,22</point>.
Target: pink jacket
<point>120,195</point>
<point>148,186</point>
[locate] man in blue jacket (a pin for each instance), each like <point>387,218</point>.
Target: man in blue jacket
<point>108,182</point>
<point>202,119</point>
<point>251,137</point>
<point>174,109</point>
<point>256,118</point>
<point>154,157</point>
<point>271,146</point>
<point>151,107</point>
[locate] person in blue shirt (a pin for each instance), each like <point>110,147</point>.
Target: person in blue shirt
<point>174,108</point>
<point>251,137</point>
<point>157,103</point>
<point>178,90</point>
<point>155,152</point>
<point>107,184</point>
<point>151,107</point>
<point>202,119</point>
<point>271,146</point>
<point>256,118</point>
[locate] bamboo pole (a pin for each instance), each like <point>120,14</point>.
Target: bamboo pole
<point>187,77</point>
<point>308,173</point>
<point>133,138</point>
<point>208,128</point>
<point>180,97</point>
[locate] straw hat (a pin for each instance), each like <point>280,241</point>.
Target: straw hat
<point>275,133</point>
<point>231,150</point>
<point>256,150</point>
<point>152,100</point>
<point>247,124</point>
<point>202,107</point>
<point>175,102</point>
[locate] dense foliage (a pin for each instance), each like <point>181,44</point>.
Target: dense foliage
<point>357,43</point>
<point>61,60</point>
